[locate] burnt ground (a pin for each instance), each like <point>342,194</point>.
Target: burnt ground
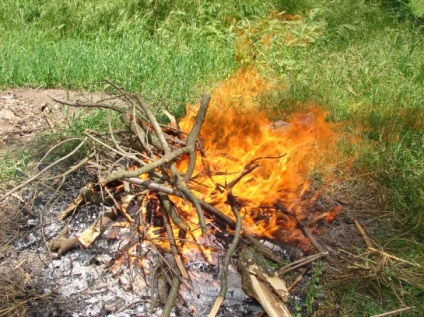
<point>35,283</point>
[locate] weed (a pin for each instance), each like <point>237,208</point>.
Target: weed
<point>313,288</point>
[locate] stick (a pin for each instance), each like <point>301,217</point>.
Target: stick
<point>43,170</point>
<point>394,257</point>
<point>89,105</point>
<point>228,255</point>
<point>165,206</point>
<point>298,279</point>
<point>305,231</point>
<point>123,93</point>
<point>139,131</point>
<point>192,136</point>
<point>154,186</point>
<point>168,205</point>
<point>247,169</point>
<point>168,157</point>
<point>212,211</point>
<point>178,181</point>
<point>173,293</point>
<point>123,154</point>
<point>361,230</point>
<point>72,168</point>
<point>296,264</point>
<point>393,312</point>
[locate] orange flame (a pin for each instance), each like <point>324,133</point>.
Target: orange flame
<point>236,132</point>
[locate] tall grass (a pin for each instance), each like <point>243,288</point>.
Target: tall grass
<point>160,48</point>
<point>363,61</point>
<point>369,69</point>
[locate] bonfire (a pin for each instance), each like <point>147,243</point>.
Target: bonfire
<point>225,169</point>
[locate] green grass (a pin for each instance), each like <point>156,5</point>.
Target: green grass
<point>362,60</point>
<point>160,48</point>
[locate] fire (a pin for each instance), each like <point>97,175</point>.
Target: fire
<point>237,132</point>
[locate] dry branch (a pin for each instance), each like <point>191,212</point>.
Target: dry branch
<point>223,292</point>
<point>89,105</point>
<point>394,312</point>
<point>36,176</point>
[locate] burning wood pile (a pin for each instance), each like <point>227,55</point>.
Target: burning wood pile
<point>172,187</point>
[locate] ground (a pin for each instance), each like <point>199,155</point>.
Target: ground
<point>25,113</point>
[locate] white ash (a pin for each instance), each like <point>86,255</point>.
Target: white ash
<point>82,286</point>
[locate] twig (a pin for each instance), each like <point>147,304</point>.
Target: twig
<point>247,169</point>
<point>72,168</point>
<point>223,292</point>
<point>169,157</point>
<point>394,312</point>
<point>211,210</point>
<point>170,191</point>
<point>176,219</point>
<point>173,293</point>
<point>123,93</point>
<point>42,171</point>
<point>89,105</point>
<point>153,274</point>
<point>118,146</point>
<point>130,121</point>
<point>127,155</point>
<point>165,208</point>
<point>154,186</point>
<point>162,258</point>
<point>178,181</point>
<point>392,257</point>
<point>361,230</point>
<point>306,232</point>
<point>194,133</point>
<point>49,122</point>
<point>296,264</point>
<point>298,279</point>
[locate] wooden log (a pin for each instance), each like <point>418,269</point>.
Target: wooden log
<point>262,282</point>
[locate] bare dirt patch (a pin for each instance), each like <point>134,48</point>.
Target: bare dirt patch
<point>26,112</point>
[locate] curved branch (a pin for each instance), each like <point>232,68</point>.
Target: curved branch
<point>194,133</point>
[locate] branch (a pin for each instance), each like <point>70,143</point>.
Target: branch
<point>223,292</point>
<point>173,293</point>
<point>193,135</point>
<point>78,104</point>
<point>43,170</point>
<point>178,182</point>
<point>247,169</point>
<point>168,157</point>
